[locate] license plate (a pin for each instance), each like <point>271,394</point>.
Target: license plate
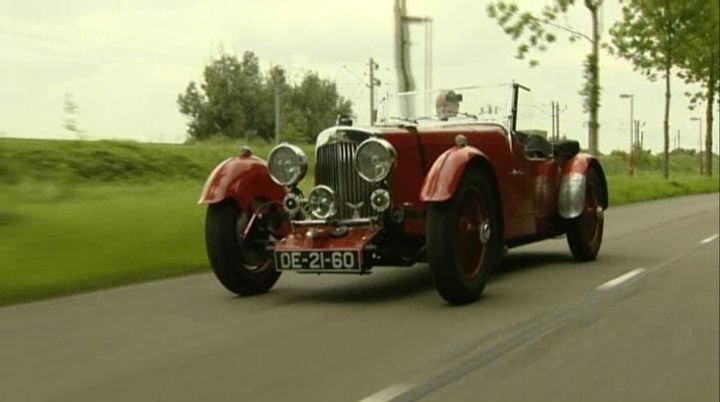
<point>328,261</point>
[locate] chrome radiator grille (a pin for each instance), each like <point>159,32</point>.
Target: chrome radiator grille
<point>335,168</point>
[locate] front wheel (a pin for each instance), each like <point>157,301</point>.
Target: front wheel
<point>464,239</point>
<point>242,265</point>
<point>584,235</point>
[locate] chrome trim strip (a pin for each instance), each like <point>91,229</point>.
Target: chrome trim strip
<point>326,135</point>
<point>341,222</point>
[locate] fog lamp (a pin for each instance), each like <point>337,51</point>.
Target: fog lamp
<point>322,202</point>
<point>292,203</point>
<point>380,200</point>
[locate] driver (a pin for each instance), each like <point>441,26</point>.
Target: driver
<point>447,104</point>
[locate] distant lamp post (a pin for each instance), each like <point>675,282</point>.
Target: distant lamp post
<point>700,155</point>
<point>632,120</point>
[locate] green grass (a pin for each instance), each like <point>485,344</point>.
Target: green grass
<point>57,243</point>
<point>70,162</point>
<point>81,215</point>
<point>76,216</point>
<point>624,189</point>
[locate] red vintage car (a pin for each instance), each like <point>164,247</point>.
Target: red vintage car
<point>455,190</point>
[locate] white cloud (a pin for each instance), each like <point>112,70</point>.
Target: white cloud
<point>126,62</point>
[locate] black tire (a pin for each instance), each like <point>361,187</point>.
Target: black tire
<point>243,267</point>
<point>460,263</point>
<point>584,234</point>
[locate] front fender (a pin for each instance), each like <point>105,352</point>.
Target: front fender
<point>571,199</point>
<point>444,176</point>
<point>243,179</point>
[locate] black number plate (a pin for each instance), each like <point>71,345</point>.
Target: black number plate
<point>329,261</point>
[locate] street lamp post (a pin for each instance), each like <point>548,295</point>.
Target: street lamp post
<point>700,155</point>
<point>632,117</point>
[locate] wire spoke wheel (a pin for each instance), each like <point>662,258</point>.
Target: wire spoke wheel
<point>590,213</point>
<point>253,248</point>
<point>584,234</point>
<point>472,229</point>
<point>241,262</point>
<point>464,238</point>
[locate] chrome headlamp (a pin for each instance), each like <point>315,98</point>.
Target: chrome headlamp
<point>375,159</point>
<point>322,202</point>
<point>287,164</point>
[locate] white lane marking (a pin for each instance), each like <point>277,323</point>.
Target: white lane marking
<point>388,393</point>
<point>620,279</point>
<point>709,239</point>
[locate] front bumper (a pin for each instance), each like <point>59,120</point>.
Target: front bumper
<point>356,239</point>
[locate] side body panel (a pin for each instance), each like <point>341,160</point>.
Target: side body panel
<point>243,179</point>
<point>407,178</point>
<point>443,164</point>
<point>546,188</point>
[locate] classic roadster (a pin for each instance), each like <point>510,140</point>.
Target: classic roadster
<point>455,190</point>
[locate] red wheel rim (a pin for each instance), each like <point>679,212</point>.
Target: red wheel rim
<point>473,232</point>
<point>591,213</point>
<point>254,256</point>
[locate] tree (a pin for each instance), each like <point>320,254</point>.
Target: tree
<point>699,62</point>
<point>317,105</point>
<point>71,110</point>
<point>236,100</point>
<point>249,90</point>
<point>194,104</point>
<point>651,35</point>
<point>226,101</point>
<point>278,86</point>
<point>539,31</point>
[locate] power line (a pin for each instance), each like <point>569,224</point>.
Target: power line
<point>85,46</point>
<point>145,38</point>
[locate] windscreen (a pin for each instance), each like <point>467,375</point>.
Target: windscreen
<point>485,104</point>
<point>534,114</point>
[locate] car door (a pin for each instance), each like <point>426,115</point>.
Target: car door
<point>523,172</point>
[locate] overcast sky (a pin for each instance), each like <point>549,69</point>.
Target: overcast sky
<point>126,61</point>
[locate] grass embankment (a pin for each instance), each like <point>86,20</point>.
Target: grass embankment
<point>60,242</point>
<point>624,189</point>
<point>76,216</point>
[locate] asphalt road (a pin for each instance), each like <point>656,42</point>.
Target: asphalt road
<point>639,324</point>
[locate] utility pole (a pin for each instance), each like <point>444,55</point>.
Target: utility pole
<point>406,82</point>
<point>636,137</point>
<point>557,120</point>
<point>700,141</point>
<point>374,82</point>
<point>552,117</point>
<point>642,140</point>
<point>428,66</point>
<point>555,117</point>
<point>632,119</point>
